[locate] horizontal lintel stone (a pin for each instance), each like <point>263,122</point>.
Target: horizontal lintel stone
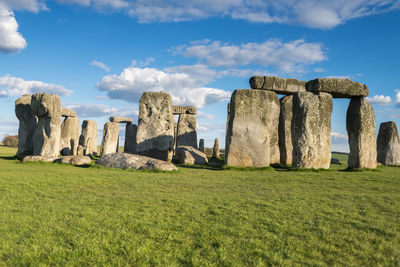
<point>338,88</point>
<point>184,110</point>
<point>120,119</point>
<point>277,84</point>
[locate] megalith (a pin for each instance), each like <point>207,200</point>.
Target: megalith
<point>338,88</point>
<point>27,125</point>
<point>274,136</point>
<point>110,138</point>
<point>70,133</point>
<point>361,129</point>
<point>311,130</point>
<point>187,130</point>
<point>388,144</point>
<point>120,119</point>
<point>285,130</point>
<point>277,84</point>
<point>201,145</point>
<point>248,133</point>
<point>46,139</point>
<point>130,138</point>
<point>155,132</point>
<point>216,152</point>
<point>88,138</point>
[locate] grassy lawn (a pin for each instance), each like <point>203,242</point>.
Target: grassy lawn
<point>53,214</point>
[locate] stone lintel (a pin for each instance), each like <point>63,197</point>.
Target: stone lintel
<point>66,112</point>
<point>120,119</point>
<point>277,84</point>
<point>184,110</point>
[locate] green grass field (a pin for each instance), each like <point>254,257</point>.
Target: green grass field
<point>54,214</point>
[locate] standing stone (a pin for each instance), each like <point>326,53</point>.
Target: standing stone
<point>187,131</point>
<point>311,130</point>
<point>274,137</point>
<point>285,128</point>
<point>361,129</point>
<point>79,151</point>
<point>388,144</point>
<point>201,145</point>
<point>27,125</point>
<point>88,138</point>
<point>216,152</point>
<point>248,133</point>
<point>155,133</point>
<point>46,140</point>
<point>70,133</point>
<point>110,138</point>
<point>130,138</point>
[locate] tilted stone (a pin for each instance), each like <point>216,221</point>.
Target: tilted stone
<point>190,155</point>
<point>388,144</point>
<point>46,140</point>
<point>311,130</point>
<point>88,138</point>
<point>285,132</point>
<point>277,84</point>
<point>201,145</point>
<point>130,138</point>
<point>70,133</point>
<point>248,133</point>
<point>137,162</point>
<point>27,125</point>
<point>184,110</point>
<point>338,88</point>
<point>155,133</point>
<point>274,156</point>
<point>68,112</point>
<point>121,119</point>
<point>187,131</point>
<point>110,138</point>
<point>361,129</point>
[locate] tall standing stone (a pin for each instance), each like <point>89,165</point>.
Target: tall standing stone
<point>130,138</point>
<point>110,138</point>
<point>155,133</point>
<point>201,145</point>
<point>70,133</point>
<point>285,130</point>
<point>88,138</point>
<point>27,125</point>
<point>388,144</point>
<point>187,130</point>
<point>248,133</point>
<point>311,130</point>
<point>274,137</point>
<point>216,153</point>
<point>46,140</point>
<point>361,129</point>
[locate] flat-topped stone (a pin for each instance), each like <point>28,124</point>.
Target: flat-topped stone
<point>277,84</point>
<point>183,110</point>
<point>66,112</point>
<point>338,88</point>
<point>121,119</point>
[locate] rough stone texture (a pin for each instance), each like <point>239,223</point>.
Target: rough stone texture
<point>46,139</point>
<point>183,110</point>
<point>201,145</point>
<point>248,133</point>
<point>39,159</point>
<point>338,88</point>
<point>130,138</point>
<point>79,151</point>
<point>361,129</point>
<point>155,133</point>
<point>277,84</point>
<point>388,144</point>
<point>27,125</point>
<point>121,119</point>
<point>285,130</point>
<point>187,131</point>
<point>131,161</point>
<point>110,138</point>
<point>70,132</point>
<point>88,138</point>
<point>274,156</point>
<point>311,130</point>
<point>335,161</point>
<point>190,155</point>
<point>216,153</point>
<point>68,112</point>
<point>74,160</point>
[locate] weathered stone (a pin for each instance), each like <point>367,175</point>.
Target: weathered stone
<point>88,138</point>
<point>335,161</point>
<point>74,160</point>
<point>70,132</point>
<point>277,84</point>
<point>46,139</point>
<point>274,156</point>
<point>121,119</point>
<point>361,129</point>
<point>216,152</point>
<point>155,133</point>
<point>311,130</point>
<point>68,112</point>
<point>130,138</point>
<point>131,161</point>
<point>79,151</point>
<point>190,155</point>
<point>388,144</point>
<point>338,88</point>
<point>201,145</point>
<point>187,131</point>
<point>27,125</point>
<point>175,135</point>
<point>285,130</point>
<point>110,138</point>
<point>39,159</point>
<point>183,110</point>
<point>248,135</point>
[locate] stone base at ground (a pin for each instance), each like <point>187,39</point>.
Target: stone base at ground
<point>131,161</point>
<point>74,160</point>
<point>39,159</point>
<point>190,155</point>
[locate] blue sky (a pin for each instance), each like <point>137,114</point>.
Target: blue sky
<point>100,55</point>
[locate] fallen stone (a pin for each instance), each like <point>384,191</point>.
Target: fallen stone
<point>39,159</point>
<point>335,161</point>
<point>74,160</point>
<point>131,161</point>
<point>285,130</point>
<point>130,138</point>
<point>27,125</point>
<point>201,145</point>
<point>88,138</point>
<point>121,119</point>
<point>187,131</point>
<point>190,155</point>
<point>338,88</point>
<point>110,138</point>
<point>183,110</point>
<point>65,112</point>
<point>361,129</point>
<point>277,84</point>
<point>388,144</point>
<point>70,133</point>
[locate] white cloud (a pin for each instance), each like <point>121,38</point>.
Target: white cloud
<point>380,100</point>
<point>99,64</point>
<point>397,97</point>
<point>319,70</point>
<point>14,86</point>
<point>100,110</point>
<point>10,39</point>
<point>339,138</point>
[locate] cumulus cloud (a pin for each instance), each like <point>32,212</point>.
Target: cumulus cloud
<point>14,86</point>
<point>10,39</point>
<point>380,100</point>
<point>99,110</point>
<point>339,138</point>
<point>99,64</point>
